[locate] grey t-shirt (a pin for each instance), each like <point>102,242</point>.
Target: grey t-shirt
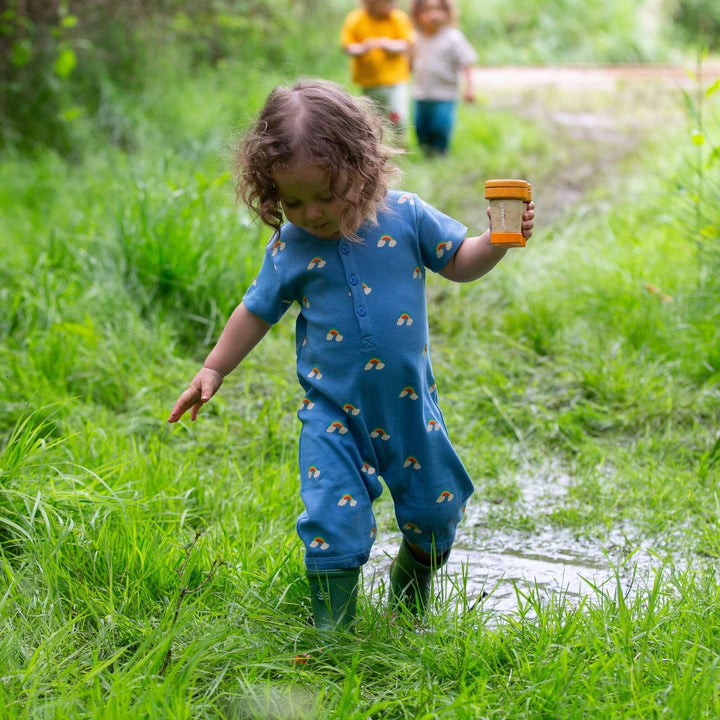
<point>437,61</point>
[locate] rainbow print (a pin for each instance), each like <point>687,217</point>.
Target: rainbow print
<point>351,409</point>
<point>367,468</point>
<point>334,334</point>
<point>408,391</point>
<point>313,472</point>
<point>305,302</point>
<point>319,542</point>
<point>413,527</point>
<point>405,319</point>
<point>433,424</point>
<point>374,364</point>
<point>442,247</point>
<point>278,246</point>
<point>316,262</point>
<point>366,289</point>
<point>379,433</point>
<point>307,404</point>
<point>417,272</point>
<point>332,427</point>
<point>315,373</point>
<point>405,198</point>
<point>444,495</point>
<point>347,500</point>
<point>387,240</point>
<point>411,461</point>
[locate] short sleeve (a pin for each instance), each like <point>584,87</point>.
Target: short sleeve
<point>439,235</point>
<point>265,297</point>
<point>466,52</point>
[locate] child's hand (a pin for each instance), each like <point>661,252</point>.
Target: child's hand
<point>203,386</point>
<point>528,221</point>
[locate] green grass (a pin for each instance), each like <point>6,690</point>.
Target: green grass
<point>153,571</point>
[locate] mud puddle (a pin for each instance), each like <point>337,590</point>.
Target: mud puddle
<point>501,568</point>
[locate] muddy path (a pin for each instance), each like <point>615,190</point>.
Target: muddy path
<point>599,118</point>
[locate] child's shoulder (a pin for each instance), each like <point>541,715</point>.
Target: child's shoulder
<point>400,198</point>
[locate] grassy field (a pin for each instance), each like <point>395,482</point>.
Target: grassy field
<point>150,571</point>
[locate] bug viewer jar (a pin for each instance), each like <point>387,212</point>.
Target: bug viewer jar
<point>508,199</point>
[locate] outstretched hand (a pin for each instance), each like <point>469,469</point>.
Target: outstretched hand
<point>203,386</point>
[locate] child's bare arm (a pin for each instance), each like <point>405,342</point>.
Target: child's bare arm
<point>468,90</point>
<point>393,46</point>
<point>242,332</point>
<point>477,256</point>
<point>358,48</point>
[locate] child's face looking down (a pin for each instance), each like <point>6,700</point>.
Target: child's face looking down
<point>379,8</point>
<point>307,200</point>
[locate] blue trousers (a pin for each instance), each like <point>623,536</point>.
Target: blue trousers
<point>434,123</point>
<point>341,460</point>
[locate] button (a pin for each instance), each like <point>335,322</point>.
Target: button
<point>353,279</point>
<point>362,311</point>
<point>344,249</point>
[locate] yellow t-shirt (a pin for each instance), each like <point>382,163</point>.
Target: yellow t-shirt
<point>377,66</point>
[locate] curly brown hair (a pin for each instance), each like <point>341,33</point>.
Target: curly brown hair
<point>448,5</point>
<point>317,122</point>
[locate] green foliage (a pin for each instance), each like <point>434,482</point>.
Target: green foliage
<point>80,66</point>
<point>699,188</point>
<point>594,31</point>
<point>698,21</point>
<point>37,59</point>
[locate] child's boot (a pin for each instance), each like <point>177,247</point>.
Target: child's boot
<point>411,580</point>
<point>333,595</point>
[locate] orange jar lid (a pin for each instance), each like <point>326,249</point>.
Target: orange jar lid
<point>508,188</point>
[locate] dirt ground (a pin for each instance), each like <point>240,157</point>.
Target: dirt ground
<point>599,116</point>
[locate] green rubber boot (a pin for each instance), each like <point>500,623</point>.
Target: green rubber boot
<point>411,580</point>
<point>333,595</point>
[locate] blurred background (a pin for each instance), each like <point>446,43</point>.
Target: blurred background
<point>77,72</point>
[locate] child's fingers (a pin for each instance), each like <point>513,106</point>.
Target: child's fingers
<point>189,398</point>
<point>195,409</point>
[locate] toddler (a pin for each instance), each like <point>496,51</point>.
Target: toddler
<point>353,255</point>
<point>378,37</point>
<point>440,55</point>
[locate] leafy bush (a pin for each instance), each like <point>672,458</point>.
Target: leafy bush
<point>594,31</point>
<point>698,19</point>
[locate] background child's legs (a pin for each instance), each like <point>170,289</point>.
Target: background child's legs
<point>394,101</point>
<point>434,123</point>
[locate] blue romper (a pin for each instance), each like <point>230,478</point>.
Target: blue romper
<point>370,409</point>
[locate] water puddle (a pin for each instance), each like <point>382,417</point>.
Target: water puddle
<point>548,561</point>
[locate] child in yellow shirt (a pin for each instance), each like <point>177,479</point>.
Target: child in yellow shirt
<point>378,38</point>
